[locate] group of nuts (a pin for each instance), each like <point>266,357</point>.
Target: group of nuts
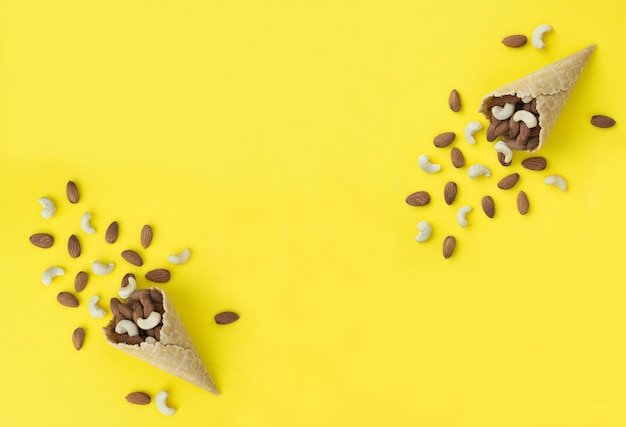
<point>515,120</point>
<point>140,318</point>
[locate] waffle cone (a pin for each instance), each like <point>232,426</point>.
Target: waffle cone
<point>173,353</point>
<point>550,85</point>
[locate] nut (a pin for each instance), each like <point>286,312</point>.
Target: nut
<point>476,170</point>
<point>85,225</point>
<point>48,209</point>
<point>419,198</point>
<point>73,246</point>
<point>72,192</point>
<point>101,269</point>
<point>488,206</point>
<point>112,232</point>
<point>132,257</point>
<point>181,258</point>
<point>449,192</point>
<point>501,160</point>
<point>80,282</point>
<point>95,311</point>
<point>161,403</point>
<point>138,398</point>
<point>470,129</point>
<point>127,289</point>
<point>461,214</point>
<point>602,121</point>
<point>556,180</point>
<point>426,165</point>
<point>160,275</point>
<point>226,317</point>
<point>454,101</point>
<point>515,40</point>
<point>503,113</point>
<point>501,147</point>
<point>522,203</point>
<point>126,327</point>
<point>538,33</point>
<point>78,338</point>
<point>508,181</point>
<point>425,231</point>
<point>449,244</point>
<point>42,240</point>
<point>458,160</point>
<point>67,299</point>
<point>146,236</point>
<point>150,322</point>
<point>51,273</point>
<point>525,116</point>
<point>535,163</point>
<point>444,139</point>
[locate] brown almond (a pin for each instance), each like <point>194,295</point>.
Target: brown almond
<point>72,192</point>
<point>137,311</point>
<point>515,40</point>
<point>132,257</point>
<point>488,206</point>
<point>226,317</point>
<point>508,181</point>
<point>73,246</point>
<point>113,231</point>
<point>67,299</point>
<point>522,203</point>
<point>125,279</point>
<point>419,198</point>
<point>78,338</point>
<point>146,236</point>
<point>449,244</point>
<point>454,101</point>
<point>160,275</point>
<point>156,296</point>
<point>535,163</point>
<point>42,240</point>
<point>444,139</point>
<point>138,398</point>
<point>601,121</point>
<point>449,192</point>
<point>458,160</point>
<point>80,282</point>
<point>501,160</point>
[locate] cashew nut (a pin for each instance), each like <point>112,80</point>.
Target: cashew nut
<point>150,340</point>
<point>503,113</point>
<point>476,170</point>
<point>556,180</point>
<point>527,99</point>
<point>49,209</point>
<point>538,33</point>
<point>95,311</point>
<point>526,117</point>
<point>128,289</point>
<point>461,213</point>
<point>84,224</point>
<point>501,147</point>
<point>102,270</point>
<point>470,129</point>
<point>181,258</point>
<point>150,322</point>
<point>51,273</point>
<point>425,230</point>
<point>426,166</point>
<point>126,326</point>
<point>161,403</point>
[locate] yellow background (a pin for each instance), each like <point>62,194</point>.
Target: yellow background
<point>278,140</point>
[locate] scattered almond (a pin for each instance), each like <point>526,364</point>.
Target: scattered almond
<point>515,40</point>
<point>458,160</point>
<point>454,101</point>
<point>444,139</point>
<point>508,181</point>
<point>80,282</point>
<point>78,338</point>
<point>488,206</point>
<point>132,257</point>
<point>42,240</point>
<point>72,192</point>
<point>535,163</point>
<point>160,275</point>
<point>501,160</point>
<point>146,236</point>
<point>449,192</point>
<point>112,232</point>
<point>449,244</point>
<point>67,299</point>
<point>138,398</point>
<point>601,121</point>
<point>522,203</point>
<point>125,279</point>
<point>419,198</point>
<point>226,317</point>
<point>73,246</point>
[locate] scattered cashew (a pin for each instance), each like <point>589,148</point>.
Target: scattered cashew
<point>49,209</point>
<point>556,180</point>
<point>101,269</point>
<point>181,258</point>
<point>501,147</point>
<point>425,230</point>
<point>503,113</point>
<point>426,166</point>
<point>84,224</point>
<point>95,311</point>
<point>526,117</point>
<point>461,213</point>
<point>161,403</point>
<point>126,326</point>
<point>150,340</point>
<point>538,33</point>
<point>51,273</point>
<point>150,322</point>
<point>527,99</point>
<point>476,170</point>
<point>470,129</point>
<point>125,292</point>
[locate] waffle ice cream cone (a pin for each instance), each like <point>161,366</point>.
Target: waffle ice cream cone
<point>173,352</point>
<point>548,87</point>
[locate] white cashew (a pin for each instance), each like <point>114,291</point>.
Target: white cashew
<point>426,166</point>
<point>95,311</point>
<point>526,117</point>
<point>181,258</point>
<point>476,170</point>
<point>538,33</point>
<point>161,403</point>
<point>501,147</point>
<point>49,209</point>
<point>557,180</point>
<point>51,273</point>
<point>150,340</point>
<point>126,326</point>
<point>527,99</point>
<point>461,213</point>
<point>84,224</point>
<point>153,319</point>
<point>101,269</point>
<point>470,129</point>
<point>503,113</point>
<point>425,230</point>
<point>125,292</point>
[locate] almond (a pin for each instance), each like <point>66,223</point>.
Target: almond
<point>449,192</point>
<point>444,139</point>
<point>226,317</point>
<point>522,203</point>
<point>454,101</point>
<point>67,299</point>
<point>160,275</point>
<point>125,279</point>
<point>488,206</point>
<point>80,282</point>
<point>449,244</point>
<point>515,40</point>
<point>78,338</point>
<point>458,160</point>
<point>535,163</point>
<point>112,232</point>
<point>601,121</point>
<point>72,192</point>
<point>508,181</point>
<point>42,240</point>
<point>73,246</point>
<point>146,236</point>
<point>501,160</point>
<point>132,257</point>
<point>419,198</point>
<point>138,398</point>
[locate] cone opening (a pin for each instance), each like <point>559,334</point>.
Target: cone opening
<point>137,320</point>
<point>515,119</point>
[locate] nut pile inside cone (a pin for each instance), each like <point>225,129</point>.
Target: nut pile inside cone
<point>516,130</point>
<point>141,304</point>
